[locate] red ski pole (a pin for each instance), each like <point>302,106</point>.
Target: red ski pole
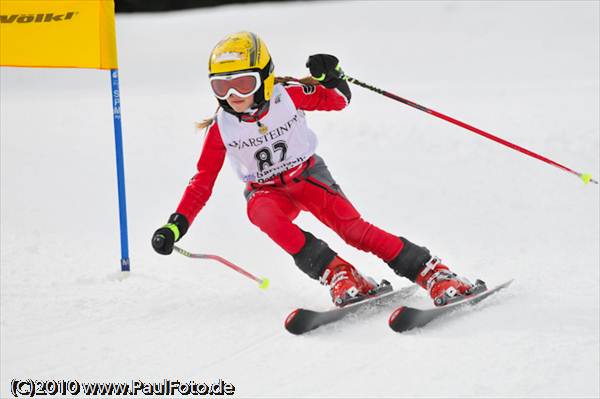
<point>585,177</point>
<point>263,283</point>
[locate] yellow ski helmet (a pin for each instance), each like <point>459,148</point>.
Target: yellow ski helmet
<point>244,51</point>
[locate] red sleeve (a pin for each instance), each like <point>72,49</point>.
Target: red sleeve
<point>317,98</point>
<point>200,187</point>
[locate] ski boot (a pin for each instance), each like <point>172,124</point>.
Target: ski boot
<point>444,286</point>
<point>346,284</point>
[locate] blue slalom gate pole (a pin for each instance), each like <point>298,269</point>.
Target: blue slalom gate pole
<point>114,73</point>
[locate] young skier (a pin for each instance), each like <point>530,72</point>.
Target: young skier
<point>261,128</point>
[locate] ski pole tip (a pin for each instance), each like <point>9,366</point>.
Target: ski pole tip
<point>264,283</point>
<point>586,178</point>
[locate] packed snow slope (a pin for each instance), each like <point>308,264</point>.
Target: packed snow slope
<point>528,72</point>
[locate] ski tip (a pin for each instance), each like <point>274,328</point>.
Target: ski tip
<point>264,283</point>
<point>290,325</point>
<point>394,315</point>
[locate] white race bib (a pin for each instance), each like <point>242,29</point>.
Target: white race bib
<point>287,142</point>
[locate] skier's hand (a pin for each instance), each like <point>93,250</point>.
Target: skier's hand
<point>326,69</point>
<point>165,237</point>
<point>163,241</point>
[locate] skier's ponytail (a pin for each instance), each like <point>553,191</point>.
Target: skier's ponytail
<point>204,124</point>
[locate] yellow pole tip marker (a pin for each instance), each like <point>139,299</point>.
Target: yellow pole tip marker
<point>586,177</point>
<point>264,283</point>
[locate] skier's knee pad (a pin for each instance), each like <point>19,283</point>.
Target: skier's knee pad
<point>410,261</point>
<point>314,257</point>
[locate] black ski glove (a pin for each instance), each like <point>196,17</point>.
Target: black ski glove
<point>326,69</point>
<point>165,237</point>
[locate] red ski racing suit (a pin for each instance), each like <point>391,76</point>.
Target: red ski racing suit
<point>274,202</point>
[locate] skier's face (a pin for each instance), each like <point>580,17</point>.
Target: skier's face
<point>240,104</point>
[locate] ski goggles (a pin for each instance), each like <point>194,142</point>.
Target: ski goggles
<point>242,84</point>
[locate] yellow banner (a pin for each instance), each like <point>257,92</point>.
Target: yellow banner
<point>58,33</point>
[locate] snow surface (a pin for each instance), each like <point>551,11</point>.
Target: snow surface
<point>528,72</point>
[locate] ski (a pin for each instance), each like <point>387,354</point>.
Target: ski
<point>406,318</point>
<point>301,320</point>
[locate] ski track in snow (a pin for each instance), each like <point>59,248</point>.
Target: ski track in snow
<point>528,72</point>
